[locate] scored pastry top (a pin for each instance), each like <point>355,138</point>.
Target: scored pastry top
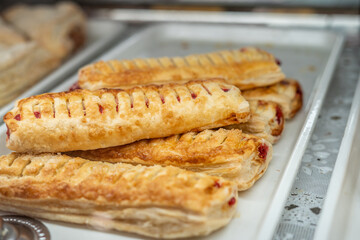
<point>82,119</point>
<point>60,177</point>
<point>246,68</point>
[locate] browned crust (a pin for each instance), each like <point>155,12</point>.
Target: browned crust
<point>62,177</point>
<point>287,93</point>
<point>266,121</point>
<point>82,119</point>
<point>59,187</point>
<point>245,68</point>
<point>223,153</point>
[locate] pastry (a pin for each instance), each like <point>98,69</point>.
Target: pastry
<point>161,202</point>
<point>84,120</point>
<point>245,68</point>
<point>21,66</point>
<point>9,36</point>
<point>267,121</point>
<point>287,94</point>
<point>230,154</point>
<point>61,29</point>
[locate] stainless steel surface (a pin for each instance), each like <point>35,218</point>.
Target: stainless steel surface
<point>15,227</point>
<point>346,22</point>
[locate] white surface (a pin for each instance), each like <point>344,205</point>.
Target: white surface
<point>309,56</point>
<point>100,33</point>
<point>340,217</point>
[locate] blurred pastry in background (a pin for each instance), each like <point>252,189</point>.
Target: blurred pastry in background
<point>34,41</point>
<point>61,28</point>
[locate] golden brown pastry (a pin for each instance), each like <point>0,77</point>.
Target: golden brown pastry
<point>287,94</point>
<point>245,68</point>
<point>162,202</point>
<point>267,121</point>
<point>61,29</point>
<point>230,154</point>
<point>21,66</point>
<point>84,120</point>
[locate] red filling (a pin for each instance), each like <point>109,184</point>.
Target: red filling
<point>217,184</point>
<point>225,89</point>
<point>162,99</point>
<point>147,103</point>
<point>279,115</point>
<point>132,105</point>
<point>101,109</point>
<point>278,62</point>
<point>232,201</point>
<point>263,150</point>
<point>178,98</point>
<point>74,87</point>
<point>193,95</point>
<point>17,117</point>
<point>117,108</point>
<point>37,114</point>
<point>243,50</point>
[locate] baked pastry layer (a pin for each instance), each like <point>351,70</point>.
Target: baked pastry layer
<point>21,66</point>
<point>61,29</point>
<point>266,121</point>
<point>245,68</point>
<point>9,36</point>
<point>287,93</point>
<point>84,120</point>
<point>230,154</point>
<point>162,202</point>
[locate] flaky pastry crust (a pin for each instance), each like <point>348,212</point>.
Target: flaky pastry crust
<point>230,154</point>
<point>245,68</point>
<point>287,93</point>
<point>61,29</point>
<point>162,202</point>
<point>266,121</point>
<point>84,120</point>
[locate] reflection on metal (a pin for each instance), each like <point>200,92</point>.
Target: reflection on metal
<point>253,18</point>
<point>14,227</point>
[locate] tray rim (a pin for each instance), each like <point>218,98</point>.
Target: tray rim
<point>339,173</point>
<point>70,66</point>
<point>273,214</point>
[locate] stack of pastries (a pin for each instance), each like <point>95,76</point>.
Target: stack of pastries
<point>158,147</point>
<point>36,39</point>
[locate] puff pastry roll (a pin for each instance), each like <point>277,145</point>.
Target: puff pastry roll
<point>21,66</point>
<point>61,29</point>
<point>9,36</point>
<point>267,121</point>
<point>84,120</point>
<point>230,154</point>
<point>162,202</point>
<point>245,68</point>
<point>287,93</point>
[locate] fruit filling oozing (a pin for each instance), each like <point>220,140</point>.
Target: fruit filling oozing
<point>263,150</point>
<point>232,201</point>
<point>279,115</point>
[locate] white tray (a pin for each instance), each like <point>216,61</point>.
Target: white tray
<point>340,217</point>
<point>307,55</point>
<point>100,34</point>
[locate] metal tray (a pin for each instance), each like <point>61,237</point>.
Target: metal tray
<point>340,215</point>
<point>101,33</point>
<point>307,55</point>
